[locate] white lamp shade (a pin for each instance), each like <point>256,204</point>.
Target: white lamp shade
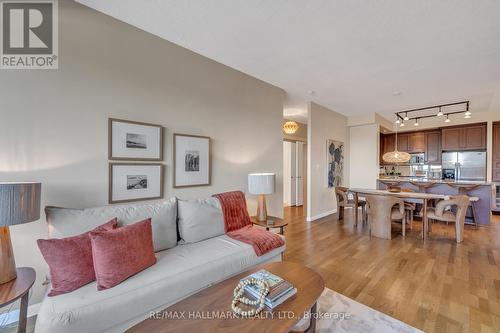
<point>261,183</point>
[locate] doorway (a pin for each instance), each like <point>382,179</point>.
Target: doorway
<point>294,173</point>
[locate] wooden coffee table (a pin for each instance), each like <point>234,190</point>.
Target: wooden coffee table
<point>196,313</point>
<point>278,223</point>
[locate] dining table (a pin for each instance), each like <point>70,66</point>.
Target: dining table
<point>424,198</point>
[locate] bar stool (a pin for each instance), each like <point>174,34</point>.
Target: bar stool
<point>422,188</point>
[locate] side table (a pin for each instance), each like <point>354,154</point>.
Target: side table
<point>19,289</point>
<point>277,223</point>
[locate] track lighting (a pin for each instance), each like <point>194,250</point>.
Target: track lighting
<point>440,113</point>
<point>406,116</point>
<point>402,124</point>
<point>447,120</point>
<point>416,122</point>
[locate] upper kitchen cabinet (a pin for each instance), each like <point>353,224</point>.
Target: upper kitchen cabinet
<point>403,142</point>
<point>496,152</point>
<point>472,137</point>
<point>416,142</point>
<point>433,147</point>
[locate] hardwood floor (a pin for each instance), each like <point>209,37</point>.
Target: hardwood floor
<point>439,286</point>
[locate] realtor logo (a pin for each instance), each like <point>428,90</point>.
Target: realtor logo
<point>29,38</point>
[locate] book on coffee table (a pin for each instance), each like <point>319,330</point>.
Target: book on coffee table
<point>280,289</point>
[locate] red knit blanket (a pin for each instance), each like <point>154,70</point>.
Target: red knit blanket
<point>237,224</point>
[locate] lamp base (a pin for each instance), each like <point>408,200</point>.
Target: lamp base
<point>262,208</point>
<point>7,262</point>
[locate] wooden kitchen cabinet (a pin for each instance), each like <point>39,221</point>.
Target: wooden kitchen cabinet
<point>433,147</point>
<point>403,142</point>
<point>496,152</point>
<point>471,137</point>
<point>416,142</point>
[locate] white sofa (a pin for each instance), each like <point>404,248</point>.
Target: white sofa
<point>182,269</point>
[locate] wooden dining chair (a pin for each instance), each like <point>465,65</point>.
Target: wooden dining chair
<point>384,209</point>
<point>461,202</point>
<point>410,208</point>
<point>343,201</point>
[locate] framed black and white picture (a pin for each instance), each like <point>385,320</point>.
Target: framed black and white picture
<point>135,181</point>
<point>132,140</point>
<point>191,160</point>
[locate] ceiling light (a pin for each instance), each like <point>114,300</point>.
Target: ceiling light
<point>406,116</point>
<point>290,127</point>
<point>467,116</point>
<point>396,93</point>
<point>447,120</point>
<point>468,113</point>
<point>398,121</point>
<point>396,156</point>
<point>440,113</point>
<point>416,122</point>
<point>402,124</point>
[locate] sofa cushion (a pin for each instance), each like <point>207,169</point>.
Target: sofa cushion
<point>65,222</point>
<point>178,273</point>
<point>122,253</point>
<point>200,219</point>
<point>70,260</point>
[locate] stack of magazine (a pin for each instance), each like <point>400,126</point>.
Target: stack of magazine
<point>280,290</point>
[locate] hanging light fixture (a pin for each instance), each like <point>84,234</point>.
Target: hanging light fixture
<point>443,110</point>
<point>447,120</point>
<point>396,156</point>
<point>290,127</point>
<point>402,124</point>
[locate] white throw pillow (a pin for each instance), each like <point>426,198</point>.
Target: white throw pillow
<point>66,222</point>
<point>200,219</point>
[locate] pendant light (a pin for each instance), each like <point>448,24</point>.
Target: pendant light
<point>447,120</point>
<point>440,113</point>
<point>396,156</point>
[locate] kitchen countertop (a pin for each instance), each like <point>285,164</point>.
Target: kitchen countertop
<point>434,181</point>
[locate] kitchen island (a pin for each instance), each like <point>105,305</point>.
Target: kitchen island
<point>485,191</point>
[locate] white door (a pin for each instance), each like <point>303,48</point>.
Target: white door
<point>299,171</point>
<point>293,174</point>
<point>289,170</point>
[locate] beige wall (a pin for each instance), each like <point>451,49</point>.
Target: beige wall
<point>364,155</point>
<point>300,135</point>
<point>54,123</point>
<point>323,124</point>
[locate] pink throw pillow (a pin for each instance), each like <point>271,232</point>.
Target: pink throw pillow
<point>121,253</point>
<point>70,260</point>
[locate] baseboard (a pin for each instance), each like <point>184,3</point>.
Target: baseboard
<point>319,216</point>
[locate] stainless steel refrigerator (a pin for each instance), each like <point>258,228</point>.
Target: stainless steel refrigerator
<point>468,165</point>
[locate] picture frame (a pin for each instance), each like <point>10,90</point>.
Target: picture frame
<point>192,160</point>
<point>130,182</point>
<point>134,141</point>
<point>334,163</point>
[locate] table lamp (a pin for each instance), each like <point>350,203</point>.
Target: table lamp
<point>261,184</point>
<point>19,203</point>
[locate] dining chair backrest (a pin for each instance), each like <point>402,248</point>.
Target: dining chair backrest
<point>461,202</point>
<point>341,193</point>
<point>380,206</point>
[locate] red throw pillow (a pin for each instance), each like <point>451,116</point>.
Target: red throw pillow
<point>70,260</point>
<point>121,253</point>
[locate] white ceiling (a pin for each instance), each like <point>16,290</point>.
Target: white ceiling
<point>353,54</point>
